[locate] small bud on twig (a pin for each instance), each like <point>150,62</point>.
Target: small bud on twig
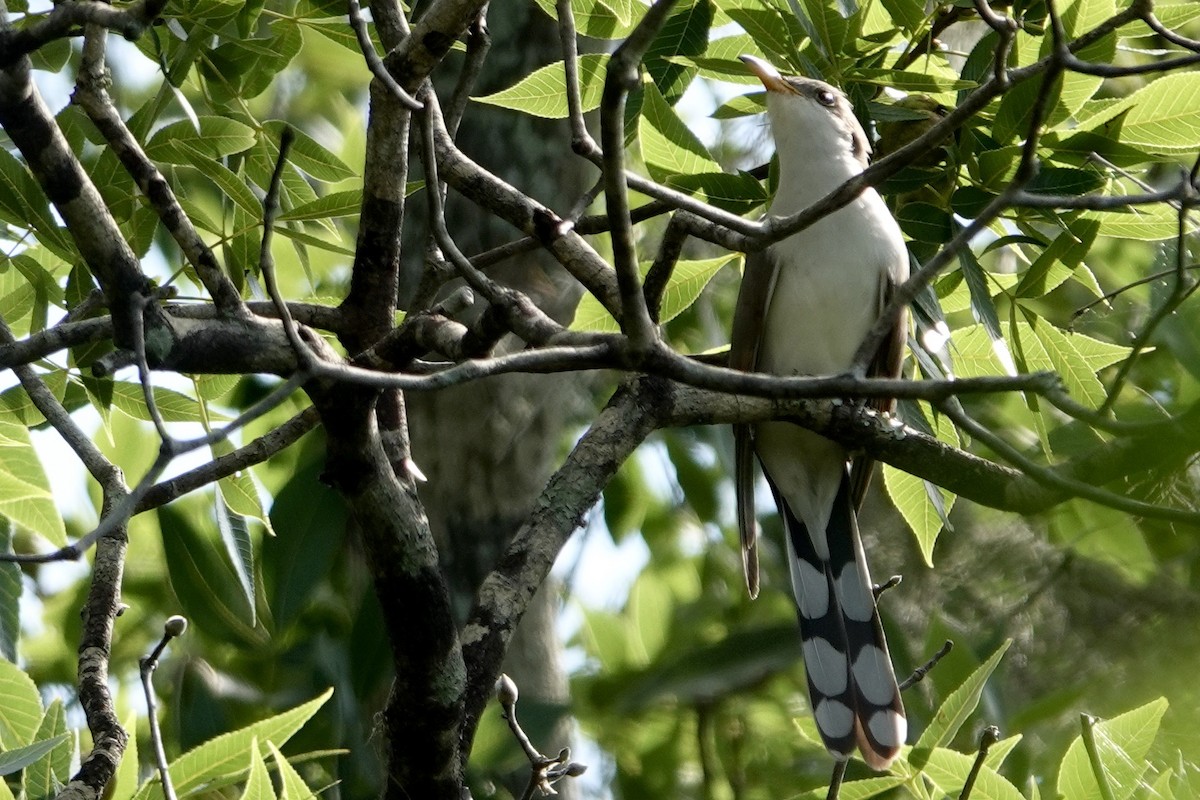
<point>175,626</point>
<point>506,691</point>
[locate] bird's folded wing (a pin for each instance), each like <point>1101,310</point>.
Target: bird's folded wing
<point>748,318</point>
<point>886,364</point>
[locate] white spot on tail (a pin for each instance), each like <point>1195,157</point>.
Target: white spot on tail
<point>826,666</point>
<point>874,677</point>
<point>888,728</point>
<point>834,718</point>
<point>855,594</point>
<point>810,587</point>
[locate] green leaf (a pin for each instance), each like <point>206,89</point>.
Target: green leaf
<point>14,759</point>
<point>668,146</point>
<point>331,206</point>
<point>21,711</point>
<point>1074,356</point>
<point>225,755</point>
<point>235,535</point>
<point>234,186</point>
<point>292,786</point>
<point>593,18</point>
<point>309,520</point>
<point>1015,112</point>
<point>258,782</point>
<point>908,14</point>
<point>911,497</point>
<point>10,598</point>
<point>1057,261</point>
<point>240,494</point>
<point>172,405</point>
<point>769,30</point>
<point>948,771</point>
<point>906,81</point>
<point>951,715</point>
<point>308,239</point>
<point>203,580</point>
<point>1065,181</point>
<point>543,92</point>
<point>1161,117</point>
<point>982,307</point>
<point>856,790</point>
<point>744,105</point>
<point>735,193</point>
<point>23,205</point>
<point>742,659</point>
<point>125,783</point>
<point>44,777</point>
<point>25,496</point>
<point>308,154</point>
<point>1122,744</point>
<point>687,281</point>
<point>1077,358</point>
<point>1151,223</point>
<point>5,792</point>
<point>925,222</point>
<point>218,137</point>
<point>685,33</point>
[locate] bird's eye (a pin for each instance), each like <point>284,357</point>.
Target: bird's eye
<point>826,98</point>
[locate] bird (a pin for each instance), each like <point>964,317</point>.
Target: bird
<point>805,305</point>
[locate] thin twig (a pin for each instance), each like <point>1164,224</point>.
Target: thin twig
<point>990,735</point>
<point>1088,724</point>
<point>1051,479</point>
<point>374,62</point>
<point>521,313</point>
<point>174,626</point>
<point>256,452</point>
<point>1107,296</point>
<point>835,780</point>
<point>266,261</point>
<point>890,583</point>
<point>580,138</point>
<point>544,771</point>
<point>68,17</point>
<point>1181,290</point>
<point>659,275</point>
<point>622,77</point>
<point>1171,36</point>
<point>479,42</point>
<point>92,96</point>
<point>920,672</point>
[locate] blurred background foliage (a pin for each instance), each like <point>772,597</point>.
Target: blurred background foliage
<point>681,687</point>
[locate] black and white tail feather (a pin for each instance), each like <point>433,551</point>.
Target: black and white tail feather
<point>852,687</point>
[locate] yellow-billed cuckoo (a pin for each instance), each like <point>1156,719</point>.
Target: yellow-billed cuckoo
<point>806,304</point>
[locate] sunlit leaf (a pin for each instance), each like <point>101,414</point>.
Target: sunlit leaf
<point>44,777</point>
<point>218,136</point>
<point>955,710</point>
<point>258,781</point>
<point>1121,744</point>
<point>948,770</point>
<point>21,711</point>
<point>25,496</point>
<point>292,785</point>
<point>225,755</point>
<point>543,92</point>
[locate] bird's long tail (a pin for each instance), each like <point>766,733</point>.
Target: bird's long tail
<point>851,684</point>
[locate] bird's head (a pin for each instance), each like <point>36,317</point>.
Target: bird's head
<point>810,118</point>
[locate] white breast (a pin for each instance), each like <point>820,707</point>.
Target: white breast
<point>828,288</point>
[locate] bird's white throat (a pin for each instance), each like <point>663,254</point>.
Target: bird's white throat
<point>816,149</point>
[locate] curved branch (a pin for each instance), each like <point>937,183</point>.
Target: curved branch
<point>66,19</point>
